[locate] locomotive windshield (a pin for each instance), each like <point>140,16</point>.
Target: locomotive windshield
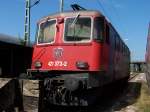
<point>47,31</point>
<point>78,31</point>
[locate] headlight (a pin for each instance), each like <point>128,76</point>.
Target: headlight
<point>37,64</point>
<point>82,65</point>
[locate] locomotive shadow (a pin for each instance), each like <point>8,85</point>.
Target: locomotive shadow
<point>114,97</point>
<point>117,96</point>
<point>129,96</point>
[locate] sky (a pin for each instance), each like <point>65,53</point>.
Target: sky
<point>129,17</point>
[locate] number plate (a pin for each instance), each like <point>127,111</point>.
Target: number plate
<point>58,63</point>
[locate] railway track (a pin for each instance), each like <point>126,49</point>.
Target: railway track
<point>105,103</point>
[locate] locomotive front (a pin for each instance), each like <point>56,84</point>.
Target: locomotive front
<point>68,56</point>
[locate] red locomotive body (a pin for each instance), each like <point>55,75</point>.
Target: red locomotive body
<point>78,51</point>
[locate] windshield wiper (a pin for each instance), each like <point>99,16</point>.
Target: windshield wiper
<point>73,25</point>
<point>75,20</point>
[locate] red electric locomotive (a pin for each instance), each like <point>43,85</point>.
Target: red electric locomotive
<point>76,52</point>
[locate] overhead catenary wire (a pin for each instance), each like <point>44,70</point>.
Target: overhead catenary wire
<point>118,18</point>
<point>114,12</point>
<point>103,9</point>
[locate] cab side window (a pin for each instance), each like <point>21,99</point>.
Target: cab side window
<point>98,32</point>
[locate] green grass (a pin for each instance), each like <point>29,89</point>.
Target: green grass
<point>143,102</point>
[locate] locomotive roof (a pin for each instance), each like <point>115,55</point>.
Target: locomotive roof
<point>74,13</point>
<point>10,39</point>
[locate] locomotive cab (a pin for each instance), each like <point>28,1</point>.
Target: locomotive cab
<point>70,42</point>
